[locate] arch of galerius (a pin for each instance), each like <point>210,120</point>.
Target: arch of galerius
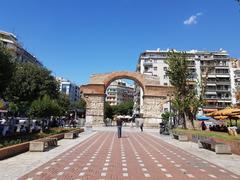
<point>154,96</point>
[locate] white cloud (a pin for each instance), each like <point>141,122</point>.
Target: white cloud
<point>192,19</point>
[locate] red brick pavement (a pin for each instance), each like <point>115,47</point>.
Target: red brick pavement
<point>134,156</point>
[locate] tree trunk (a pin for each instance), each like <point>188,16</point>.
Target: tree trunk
<point>185,119</point>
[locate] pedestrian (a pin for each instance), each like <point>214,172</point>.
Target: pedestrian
<point>141,126</point>
<point>119,127</point>
<point>203,125</point>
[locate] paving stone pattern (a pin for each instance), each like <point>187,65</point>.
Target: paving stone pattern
<point>134,156</point>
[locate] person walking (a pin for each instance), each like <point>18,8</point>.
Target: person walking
<point>119,127</point>
<point>203,125</point>
<point>141,126</point>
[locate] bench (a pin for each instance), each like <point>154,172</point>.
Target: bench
<point>180,137</point>
<point>210,144</point>
<point>41,145</point>
<point>72,134</point>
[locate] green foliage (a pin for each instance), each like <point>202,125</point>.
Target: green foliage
<point>124,108</point>
<point>8,141</point>
<point>13,109</point>
<point>211,134</point>
<point>6,69</point>
<point>44,108</point>
<point>178,72</point>
<point>186,101</point>
<point>165,117</point>
<point>81,104</point>
<point>64,103</point>
<point>108,110</point>
<point>29,83</point>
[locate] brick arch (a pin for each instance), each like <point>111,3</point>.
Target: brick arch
<point>154,95</point>
<point>138,78</point>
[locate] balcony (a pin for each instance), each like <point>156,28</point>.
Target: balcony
<point>209,75</point>
<point>220,57</point>
<point>210,89</point>
<point>148,64</point>
<point>222,75</point>
<point>211,83</point>
<point>207,64</point>
<point>223,82</point>
<point>148,73</point>
<point>222,66</point>
<point>210,97</point>
<point>223,90</point>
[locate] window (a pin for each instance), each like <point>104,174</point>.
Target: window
<point>155,68</point>
<point>165,68</point>
<point>165,77</point>
<point>165,109</point>
<point>165,84</point>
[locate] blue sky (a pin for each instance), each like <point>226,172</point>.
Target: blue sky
<point>77,38</point>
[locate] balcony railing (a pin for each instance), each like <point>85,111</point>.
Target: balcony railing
<point>210,90</point>
<point>223,90</point>
<point>223,82</point>
<point>147,63</point>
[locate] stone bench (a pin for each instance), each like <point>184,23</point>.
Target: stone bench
<point>219,148</point>
<point>175,136</point>
<point>41,145</point>
<point>180,137</point>
<point>72,134</point>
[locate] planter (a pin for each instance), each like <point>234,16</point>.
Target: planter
<point>21,148</point>
<point>234,144</point>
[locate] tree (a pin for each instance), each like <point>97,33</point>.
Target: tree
<point>108,110</point>
<point>64,103</point>
<point>29,83</point>
<point>186,100</point>
<point>44,108</point>
<point>7,67</point>
<point>2,104</point>
<point>81,104</point>
<point>165,117</point>
<point>13,109</point>
<point>124,108</point>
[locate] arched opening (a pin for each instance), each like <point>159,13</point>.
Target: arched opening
<point>152,94</point>
<point>123,99</point>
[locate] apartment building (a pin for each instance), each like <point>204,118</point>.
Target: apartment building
<point>235,79</point>
<point>10,41</point>
<point>118,92</point>
<point>69,88</point>
<point>212,65</point>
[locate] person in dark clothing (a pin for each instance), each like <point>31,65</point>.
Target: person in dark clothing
<point>204,127</point>
<point>141,126</point>
<point>119,127</point>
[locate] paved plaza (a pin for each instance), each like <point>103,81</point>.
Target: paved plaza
<point>101,155</point>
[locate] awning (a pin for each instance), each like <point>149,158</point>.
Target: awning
<point>209,110</point>
<point>203,118</point>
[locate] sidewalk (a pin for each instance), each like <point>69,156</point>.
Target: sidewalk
<point>229,162</point>
<point>17,166</point>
